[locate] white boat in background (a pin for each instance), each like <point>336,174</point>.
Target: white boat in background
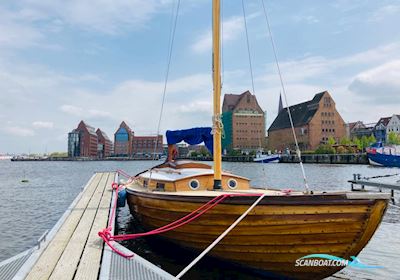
<point>267,158</point>
<point>5,157</point>
<point>380,155</point>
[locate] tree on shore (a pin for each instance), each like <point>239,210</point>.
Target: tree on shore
<point>372,139</point>
<point>393,138</point>
<point>233,152</point>
<point>59,154</point>
<point>347,145</point>
<point>331,141</point>
<point>325,149</point>
<point>345,141</point>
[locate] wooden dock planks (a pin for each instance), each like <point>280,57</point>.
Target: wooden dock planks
<point>77,242</point>
<point>90,261</point>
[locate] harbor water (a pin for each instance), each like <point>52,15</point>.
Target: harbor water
<point>29,209</point>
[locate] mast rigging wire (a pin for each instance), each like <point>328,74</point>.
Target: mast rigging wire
<point>222,45</point>
<point>248,47</point>
<point>174,20</point>
<point>285,97</point>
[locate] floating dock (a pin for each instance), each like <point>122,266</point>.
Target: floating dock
<point>72,249</point>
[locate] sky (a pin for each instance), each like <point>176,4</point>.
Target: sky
<point>104,61</point>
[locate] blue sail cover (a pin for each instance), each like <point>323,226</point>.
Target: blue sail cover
<point>192,136</point>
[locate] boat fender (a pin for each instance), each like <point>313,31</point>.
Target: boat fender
<point>121,197</point>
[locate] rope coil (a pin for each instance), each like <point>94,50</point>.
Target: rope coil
<point>218,126</point>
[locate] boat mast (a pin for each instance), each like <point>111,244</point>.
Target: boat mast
<point>216,65</point>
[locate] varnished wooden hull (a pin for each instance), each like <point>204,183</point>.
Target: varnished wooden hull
<point>278,231</point>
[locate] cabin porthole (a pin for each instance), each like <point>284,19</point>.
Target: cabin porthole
<point>232,184</point>
<point>194,184</point>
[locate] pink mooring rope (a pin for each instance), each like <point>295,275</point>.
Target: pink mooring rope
<point>107,236</point>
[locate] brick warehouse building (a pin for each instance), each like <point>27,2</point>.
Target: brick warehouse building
<point>105,146</point>
<point>315,121</point>
<point>244,122</point>
<point>146,144</point>
<point>82,141</point>
<point>127,144</point>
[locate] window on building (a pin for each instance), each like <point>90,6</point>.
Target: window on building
<point>122,135</point>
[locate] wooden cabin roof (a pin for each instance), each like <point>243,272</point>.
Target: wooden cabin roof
<point>168,174</point>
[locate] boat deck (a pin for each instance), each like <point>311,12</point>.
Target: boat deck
<point>73,249</point>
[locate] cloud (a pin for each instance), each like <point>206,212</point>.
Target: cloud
<point>182,88</point>
<point>139,102</point>
<point>72,110</point>
<point>84,113</point>
<point>385,11</point>
<point>233,28</point>
<point>16,30</point>
<point>381,83</point>
<point>105,16</point>
<point>308,68</point>
<point>33,23</point>
<point>197,106</point>
<point>19,131</point>
<point>42,124</point>
<point>305,18</point>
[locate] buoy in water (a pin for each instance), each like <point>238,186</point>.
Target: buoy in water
<point>121,197</point>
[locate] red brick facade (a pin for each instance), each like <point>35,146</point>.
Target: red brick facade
<point>248,121</point>
<point>85,141</point>
<point>88,140</point>
<point>146,144</point>
<point>123,139</point>
<point>105,146</point>
<point>315,121</point>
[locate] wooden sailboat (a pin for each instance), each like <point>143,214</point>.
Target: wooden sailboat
<point>280,229</point>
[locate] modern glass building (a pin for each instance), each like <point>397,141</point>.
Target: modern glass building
<point>74,148</point>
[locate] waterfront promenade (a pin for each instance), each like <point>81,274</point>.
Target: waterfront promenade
<point>306,158</point>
